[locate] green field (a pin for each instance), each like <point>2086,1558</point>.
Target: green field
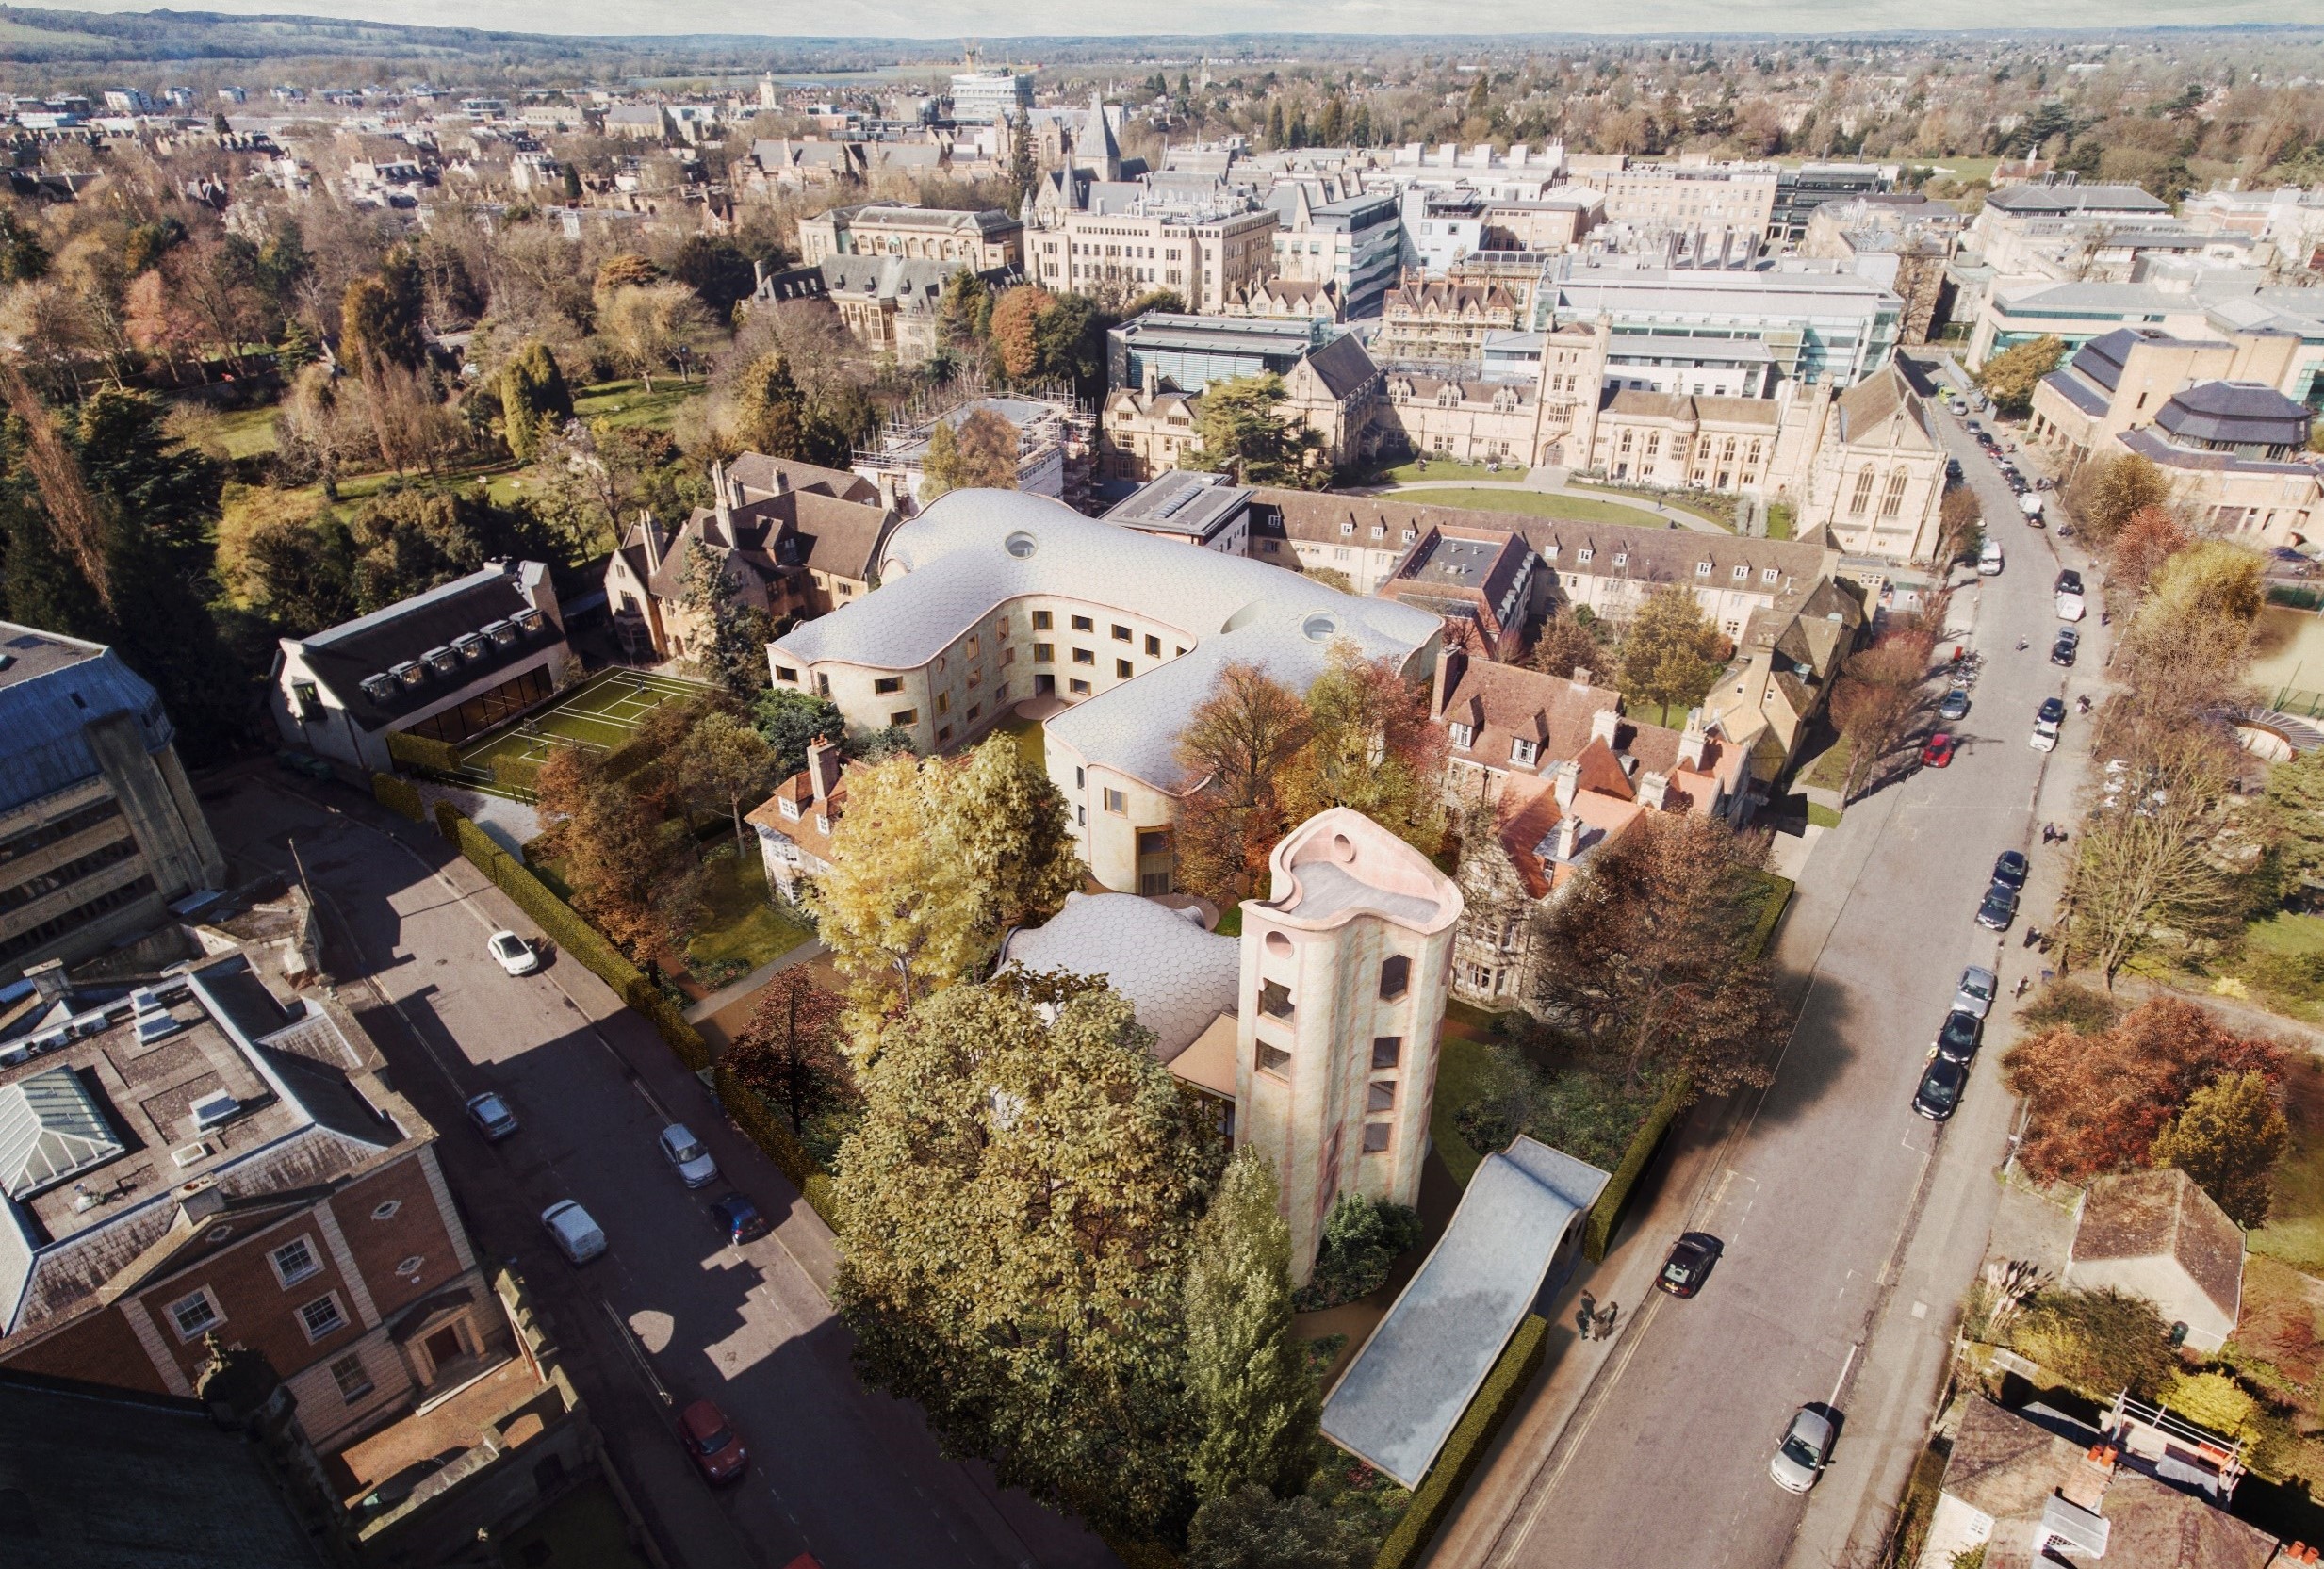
<point>620,403</point>
<point>1443,471</point>
<point>742,926</point>
<point>603,712</point>
<point>1540,504</point>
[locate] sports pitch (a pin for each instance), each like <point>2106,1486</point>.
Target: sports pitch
<point>601,712</point>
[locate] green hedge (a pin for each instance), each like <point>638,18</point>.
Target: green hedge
<point>420,751</point>
<point>768,1131</point>
<point>1597,1231</point>
<point>398,796</point>
<point>553,915</point>
<point>1432,1501</point>
<point>519,776</point>
<point>1778,896</point>
<point>682,1038</point>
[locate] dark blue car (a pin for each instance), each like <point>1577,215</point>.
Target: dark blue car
<point>739,1219</point>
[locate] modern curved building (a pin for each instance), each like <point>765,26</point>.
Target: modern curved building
<point>994,598</point>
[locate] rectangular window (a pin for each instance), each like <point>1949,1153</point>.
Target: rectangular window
<point>1121,669</point>
<point>1121,633</point>
<point>1118,802</point>
<point>1154,646</point>
<point>1380,1095</point>
<point>1274,1060</point>
<point>1081,778</point>
<point>1395,977</point>
<point>1083,624</point>
<point>903,717</point>
<point>355,1382</point>
<point>943,702</point>
<point>786,673</point>
<point>886,684</point>
<point>190,1316</point>
<point>1078,687</point>
<point>972,649</point>
<point>1387,1049</point>
<point>1153,842</point>
<point>1375,1136</point>
<point>294,1261</point>
<point>1044,652</point>
<point>1275,999</point>
<point>1041,621</point>
<point>977,711</point>
<point>1085,655</point>
<point>943,734</point>
<point>1081,816</point>
<point>322,1317</point>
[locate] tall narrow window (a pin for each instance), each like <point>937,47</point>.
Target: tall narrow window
<point>1861,501</point>
<point>1893,502</point>
<point>1395,977</point>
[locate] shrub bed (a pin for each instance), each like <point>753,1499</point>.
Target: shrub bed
<point>767,1130</point>
<point>1432,1501</point>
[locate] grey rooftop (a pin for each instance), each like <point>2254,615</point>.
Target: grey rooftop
<point>1178,977</point>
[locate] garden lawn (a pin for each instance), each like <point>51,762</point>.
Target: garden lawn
<point>742,927</point>
<point>246,433</point>
<point>1461,1065</point>
<point>2287,933</point>
<point>1540,504</point>
<point>2295,1229</point>
<point>1442,471</point>
<point>621,404</point>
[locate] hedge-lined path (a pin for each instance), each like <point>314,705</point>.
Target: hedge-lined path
<point>727,997</point>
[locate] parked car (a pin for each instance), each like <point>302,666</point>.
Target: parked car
<point>1957,1036</point>
<point>492,1116</point>
<point>1955,708</point>
<point>1937,752</point>
<point>1689,1265</point>
<point>686,1155</point>
<point>2046,724</point>
<point>1803,1451</point>
<point>2009,869</point>
<point>1975,992</point>
<point>577,1237</point>
<point>712,1442</point>
<point>2068,644</point>
<point>2053,711</point>
<point>1989,559</point>
<point>1938,1094</point>
<point>512,953</point>
<point>739,1219</point>
<point>2068,580</point>
<point>1999,907</point>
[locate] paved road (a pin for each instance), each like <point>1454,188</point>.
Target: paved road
<point>1843,1212</point>
<point>853,1476</point>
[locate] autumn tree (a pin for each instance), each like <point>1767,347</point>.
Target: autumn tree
<point>1371,746</point>
<point>2228,1138</point>
<point>2097,1100</point>
<point>765,409</point>
<point>1251,1529</point>
<point>1670,653</point>
<point>1650,950</point>
<point>1877,705</point>
<point>1016,321</point>
<point>1566,647</point>
<point>2010,377</point>
<point>2147,538</point>
<point>789,1050</point>
<point>2099,1341</point>
<point>725,761</point>
<point>2108,492</point>
<point>647,326</point>
<point>632,876</point>
<point>380,318</point>
<point>1246,1370</point>
<point>625,270</point>
<point>1019,1200</point>
<point>1008,824</point>
<point>1234,747</point>
<point>978,453</point>
<point>1960,520</point>
<point>2145,869</point>
<point>730,635</point>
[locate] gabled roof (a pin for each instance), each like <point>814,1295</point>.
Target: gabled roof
<point>1342,366</point>
<point>2030,198</point>
<point>342,656</point>
<point>1409,1386</point>
<point>1883,409</point>
<point>2142,1215</point>
<point>760,476</point>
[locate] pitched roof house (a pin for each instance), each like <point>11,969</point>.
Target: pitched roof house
<point>2159,1235</point>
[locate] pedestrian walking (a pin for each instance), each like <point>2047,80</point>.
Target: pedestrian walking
<point>2022,983</point>
<point>1606,1320</point>
<point>2033,935</point>
<point>1585,1314</point>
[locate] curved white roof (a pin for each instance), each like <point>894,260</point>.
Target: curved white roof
<point>974,550</point>
<point>1177,976</point>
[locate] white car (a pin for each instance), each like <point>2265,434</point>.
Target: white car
<point>577,1237</point>
<point>1990,561</point>
<point>1805,1448</point>
<point>686,1155</point>
<point>1975,995</point>
<point>512,953</point>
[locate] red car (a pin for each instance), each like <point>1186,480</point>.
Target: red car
<point>1937,751</point>
<point>711,1441</point>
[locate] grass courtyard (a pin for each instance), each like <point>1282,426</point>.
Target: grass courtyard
<point>1539,503</point>
<point>1443,471</point>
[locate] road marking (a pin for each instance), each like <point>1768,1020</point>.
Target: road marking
<point>1919,1310</point>
<point>1843,1381</point>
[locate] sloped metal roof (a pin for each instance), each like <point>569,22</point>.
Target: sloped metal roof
<point>50,1130</point>
<point>51,689</point>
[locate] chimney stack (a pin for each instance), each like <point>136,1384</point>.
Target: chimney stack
<point>1569,836</point>
<point>1582,674</point>
<point>1692,740</point>
<point>200,1198</point>
<point>1450,665</point>
<point>823,769</point>
<point>1653,792</point>
<point>1603,725</point>
<point>1567,780</point>
<point>48,979</point>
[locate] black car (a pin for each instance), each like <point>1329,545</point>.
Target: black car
<point>1940,1092</point>
<point>1956,705</point>
<point>738,1218</point>
<point>1689,1265</point>
<point>1957,1036</point>
<point>2069,581</point>
<point>2009,869</point>
<point>1999,907</point>
<point>2064,649</point>
<point>2053,711</point>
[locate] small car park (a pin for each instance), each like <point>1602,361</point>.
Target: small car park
<point>1689,1264</point>
<point>1938,1094</point>
<point>738,1219</point>
<point>1999,907</point>
<point>1803,1451</point>
<point>712,1442</point>
<point>577,1237</point>
<point>492,1116</point>
<point>687,1157</point>
<point>1975,995</point>
<point>512,953</point>
<point>1937,752</point>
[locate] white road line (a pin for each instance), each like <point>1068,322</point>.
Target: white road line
<point>1840,1383</point>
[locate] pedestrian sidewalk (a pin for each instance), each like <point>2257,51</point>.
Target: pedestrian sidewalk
<point>727,996</point>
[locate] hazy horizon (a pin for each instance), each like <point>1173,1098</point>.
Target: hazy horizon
<point>1198,19</point>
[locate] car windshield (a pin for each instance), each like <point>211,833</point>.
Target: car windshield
<point>1940,1088</point>
<point>717,1440</point>
<point>687,1152</point>
<point>1977,986</point>
<point>511,946</point>
<point>1799,1450</point>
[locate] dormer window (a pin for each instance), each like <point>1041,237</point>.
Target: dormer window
<point>790,810</point>
<point>1346,527</point>
<point>1464,736</point>
<point>1583,555</point>
<point>1768,576</point>
<point>1523,752</point>
<point>1622,558</point>
<point>1743,574</point>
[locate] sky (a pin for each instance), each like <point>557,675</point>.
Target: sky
<point>1000,18</point>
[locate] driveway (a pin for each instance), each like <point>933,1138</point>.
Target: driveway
<point>1852,1225</point>
<point>853,1476</point>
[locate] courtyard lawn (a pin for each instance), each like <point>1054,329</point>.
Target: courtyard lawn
<point>1443,471</point>
<point>603,712</point>
<point>1030,737</point>
<point>2288,664</point>
<point>1540,504</point>
<point>743,929</point>
<point>1460,1063</point>
<point>2295,1229</point>
<point>620,403</point>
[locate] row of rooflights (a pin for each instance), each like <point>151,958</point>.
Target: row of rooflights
<point>146,1003</point>
<point>410,675</point>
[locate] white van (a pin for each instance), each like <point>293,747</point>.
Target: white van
<point>1989,559</point>
<point>2070,606</point>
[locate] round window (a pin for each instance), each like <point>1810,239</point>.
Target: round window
<point>1343,847</point>
<point>387,1210</point>
<point>1278,944</point>
<point>1020,545</point>
<point>410,1267</point>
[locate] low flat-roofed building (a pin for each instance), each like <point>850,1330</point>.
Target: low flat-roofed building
<point>1191,505</point>
<point>100,831</point>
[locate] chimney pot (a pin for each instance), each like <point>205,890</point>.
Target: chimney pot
<point>1603,725</point>
<point>1582,674</point>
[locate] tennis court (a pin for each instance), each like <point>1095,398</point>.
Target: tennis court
<point>601,712</point>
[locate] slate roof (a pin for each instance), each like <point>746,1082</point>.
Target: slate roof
<point>2150,445</point>
<point>1401,1397</point>
<point>2080,394</point>
<point>1685,409</point>
<point>51,688</point>
<point>2031,198</point>
<point>1342,366</point>
<point>2163,1214</point>
<point>1176,975</point>
<point>1884,408</point>
<point>760,476</point>
<point>953,565</point>
<point>2226,413</point>
<point>343,655</point>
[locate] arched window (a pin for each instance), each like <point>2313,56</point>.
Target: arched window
<point>1861,501</point>
<point>1893,502</point>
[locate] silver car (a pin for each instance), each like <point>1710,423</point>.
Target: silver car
<point>687,1157</point>
<point>1800,1458</point>
<point>1975,994</point>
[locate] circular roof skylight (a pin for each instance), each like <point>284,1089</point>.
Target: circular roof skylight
<point>1020,545</point>
<point>1319,626</point>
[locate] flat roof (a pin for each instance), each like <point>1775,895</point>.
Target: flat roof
<point>31,653</point>
<point>1187,501</point>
